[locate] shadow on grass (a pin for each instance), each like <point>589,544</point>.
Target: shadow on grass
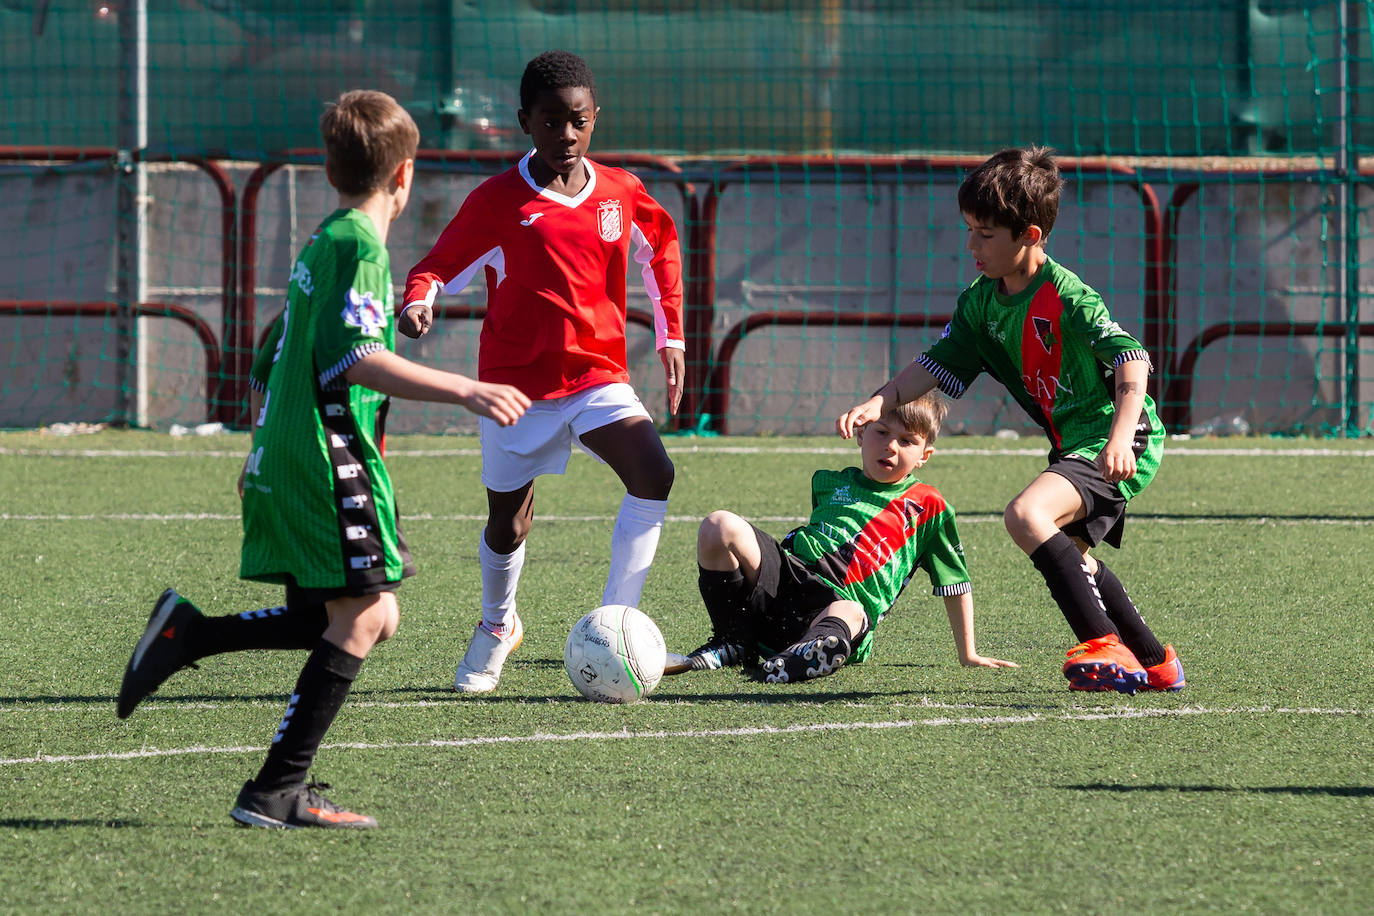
<point>53,823</point>
<point>1338,791</point>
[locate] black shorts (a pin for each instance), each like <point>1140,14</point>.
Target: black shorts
<point>786,598</point>
<point>304,597</point>
<point>1103,504</point>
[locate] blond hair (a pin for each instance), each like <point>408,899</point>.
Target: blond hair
<point>366,134</point>
<point>923,416</point>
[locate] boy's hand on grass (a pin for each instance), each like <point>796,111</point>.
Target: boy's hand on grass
<point>982,661</point>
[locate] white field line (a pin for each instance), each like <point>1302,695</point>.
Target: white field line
<point>713,448</point>
<point>690,734</point>
<point>969,518</point>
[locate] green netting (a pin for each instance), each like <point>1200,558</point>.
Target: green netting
<point>809,151</point>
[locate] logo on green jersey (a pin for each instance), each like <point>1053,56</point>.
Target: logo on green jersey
<point>363,313</point>
<point>1044,331</point>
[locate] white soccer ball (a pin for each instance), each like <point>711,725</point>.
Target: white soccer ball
<point>615,654</point>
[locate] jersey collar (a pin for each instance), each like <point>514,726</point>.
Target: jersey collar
<point>554,196</point>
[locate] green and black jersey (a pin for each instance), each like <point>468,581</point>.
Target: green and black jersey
<point>318,503</point>
<point>1054,346</point>
<point>866,539</point>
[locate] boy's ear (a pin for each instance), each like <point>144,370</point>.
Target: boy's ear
<point>524,120</point>
<point>1033,236</point>
<point>404,175</point>
<point>925,455</point>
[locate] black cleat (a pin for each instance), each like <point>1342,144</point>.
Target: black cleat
<point>714,655</point>
<point>160,653</point>
<point>298,806</point>
<point>806,660</point>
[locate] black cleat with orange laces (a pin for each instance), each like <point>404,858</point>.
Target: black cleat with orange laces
<point>297,806</point>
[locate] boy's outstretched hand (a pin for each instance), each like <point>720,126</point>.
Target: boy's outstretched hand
<point>415,320</point>
<point>503,403</point>
<point>982,661</point>
<point>674,367</point>
<point>855,417</point>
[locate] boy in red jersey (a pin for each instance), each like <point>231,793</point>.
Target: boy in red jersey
<point>1036,328</point>
<point>553,238</point>
<point>811,603</point>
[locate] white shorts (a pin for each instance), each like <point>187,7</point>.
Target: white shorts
<point>541,441</point>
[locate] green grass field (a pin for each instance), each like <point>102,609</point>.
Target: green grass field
<point>907,784</point>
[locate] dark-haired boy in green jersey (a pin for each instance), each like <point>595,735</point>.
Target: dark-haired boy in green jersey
<point>319,513</point>
<point>1036,328</point>
<point>811,603</point>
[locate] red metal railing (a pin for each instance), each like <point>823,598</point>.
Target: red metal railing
<point>216,384</point>
<point>26,308</point>
<point>719,385</point>
<point>1177,367</point>
<point>1179,394</point>
<point>799,169</point>
<point>706,388</point>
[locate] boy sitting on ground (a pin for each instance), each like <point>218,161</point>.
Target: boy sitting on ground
<point>810,603</point>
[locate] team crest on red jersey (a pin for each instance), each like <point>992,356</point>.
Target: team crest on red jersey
<point>608,220</point>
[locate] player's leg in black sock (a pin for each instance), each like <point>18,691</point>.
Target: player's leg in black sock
<point>724,592</point>
<point>1072,587</point>
<point>294,625</point>
<point>320,691</point>
<point>1134,633</point>
<point>831,625</point>
<point>823,649</point>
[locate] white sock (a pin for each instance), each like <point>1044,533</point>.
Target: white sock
<point>633,544</point>
<point>500,573</point>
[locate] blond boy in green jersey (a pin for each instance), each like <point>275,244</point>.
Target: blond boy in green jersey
<point>319,513</point>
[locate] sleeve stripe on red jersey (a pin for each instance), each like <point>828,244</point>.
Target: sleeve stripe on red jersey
<point>495,257</point>
<point>644,256</point>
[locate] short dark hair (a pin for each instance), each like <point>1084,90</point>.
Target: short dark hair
<point>1016,188</point>
<point>555,70</point>
<point>366,134</point>
<point>923,416</point>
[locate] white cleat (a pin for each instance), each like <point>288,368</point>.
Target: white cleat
<point>480,668</point>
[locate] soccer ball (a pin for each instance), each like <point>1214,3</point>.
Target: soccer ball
<point>615,654</point>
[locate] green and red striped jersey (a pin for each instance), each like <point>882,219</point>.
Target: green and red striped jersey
<point>867,539</point>
<point>1054,346</point>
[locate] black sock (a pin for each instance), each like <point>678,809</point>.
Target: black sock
<point>830,625</point>
<point>325,680</point>
<point>296,625</point>
<point>1072,588</point>
<point>724,593</point>
<point>1134,633</point>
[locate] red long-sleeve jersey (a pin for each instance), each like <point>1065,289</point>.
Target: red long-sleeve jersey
<point>555,268</point>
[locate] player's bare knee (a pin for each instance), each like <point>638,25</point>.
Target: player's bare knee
<point>717,537</point>
<point>711,531</point>
<point>1019,517</point>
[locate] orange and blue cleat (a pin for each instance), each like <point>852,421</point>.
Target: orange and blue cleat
<point>1167,675</point>
<point>1103,663</point>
